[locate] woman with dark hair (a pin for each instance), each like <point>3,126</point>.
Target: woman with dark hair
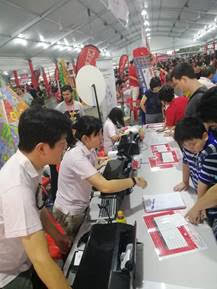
<point>114,121</point>
<point>78,174</point>
<point>150,103</point>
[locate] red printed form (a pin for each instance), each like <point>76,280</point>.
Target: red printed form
<point>163,156</point>
<point>171,234</point>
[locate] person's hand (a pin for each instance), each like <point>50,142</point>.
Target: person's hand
<point>169,133</point>
<point>203,215</point>
<point>194,216</point>
<point>63,242</point>
<point>141,134</point>
<point>181,187</point>
<point>140,182</point>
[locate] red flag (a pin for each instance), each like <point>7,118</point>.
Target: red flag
<point>34,80</point>
<point>140,51</point>
<point>88,55</point>
<point>46,83</point>
<point>56,74</point>
<point>122,63</point>
<point>16,78</point>
<point>58,93</point>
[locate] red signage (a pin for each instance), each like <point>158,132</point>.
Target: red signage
<point>88,55</point>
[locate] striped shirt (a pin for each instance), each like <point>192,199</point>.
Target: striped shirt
<point>203,166</point>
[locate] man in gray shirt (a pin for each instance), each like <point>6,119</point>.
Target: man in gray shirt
<point>69,105</point>
<point>184,78</point>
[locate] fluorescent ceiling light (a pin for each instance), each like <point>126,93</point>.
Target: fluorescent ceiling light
<point>21,36</point>
<point>20,41</point>
<point>41,37</point>
<point>66,41</point>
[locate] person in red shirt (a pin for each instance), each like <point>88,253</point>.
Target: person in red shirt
<point>174,106</point>
<point>134,86</point>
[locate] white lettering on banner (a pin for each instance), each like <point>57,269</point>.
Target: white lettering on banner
<point>90,55</point>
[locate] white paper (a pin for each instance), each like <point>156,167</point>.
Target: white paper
<point>162,148</point>
<point>161,202</point>
<point>170,221</point>
<point>78,256</point>
<point>167,157</point>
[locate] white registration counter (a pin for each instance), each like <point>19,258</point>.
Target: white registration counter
<point>197,269</point>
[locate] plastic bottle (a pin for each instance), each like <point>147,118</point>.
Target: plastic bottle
<point>120,217</point>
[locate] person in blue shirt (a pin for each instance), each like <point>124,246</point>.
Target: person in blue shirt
<point>199,148</point>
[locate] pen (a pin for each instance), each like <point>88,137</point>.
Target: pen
<point>152,206</point>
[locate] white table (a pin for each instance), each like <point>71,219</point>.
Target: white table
<point>191,270</point>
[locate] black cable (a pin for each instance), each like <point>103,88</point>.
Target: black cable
<point>107,212</point>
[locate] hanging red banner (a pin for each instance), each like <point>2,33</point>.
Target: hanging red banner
<point>122,64</point>
<point>34,79</point>
<point>46,83</point>
<point>88,55</point>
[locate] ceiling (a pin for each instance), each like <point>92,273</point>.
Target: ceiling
<point>48,29</point>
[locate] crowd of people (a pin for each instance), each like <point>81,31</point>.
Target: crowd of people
<point>185,101</point>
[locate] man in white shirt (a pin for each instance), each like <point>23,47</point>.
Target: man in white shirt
<point>69,105</point>
<point>42,140</point>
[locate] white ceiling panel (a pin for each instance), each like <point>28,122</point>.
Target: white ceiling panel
<point>89,21</point>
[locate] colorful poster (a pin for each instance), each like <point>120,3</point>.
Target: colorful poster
<point>142,61</point>
<point>11,107</point>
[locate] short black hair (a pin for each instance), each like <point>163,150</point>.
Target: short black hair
<point>87,125</point>
<point>116,116</point>
<point>183,69</point>
<point>166,93</point>
<point>155,82</point>
<point>168,77</point>
<point>189,128</point>
<point>66,87</point>
<point>38,124</point>
<point>207,71</point>
<point>207,108</point>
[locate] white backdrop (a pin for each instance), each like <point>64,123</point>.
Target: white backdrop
<point>110,100</point>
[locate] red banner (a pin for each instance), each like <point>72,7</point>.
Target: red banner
<point>46,83</point>
<point>88,55</point>
<point>16,78</point>
<point>140,51</point>
<point>34,79</point>
<point>56,75</point>
<point>122,63</point>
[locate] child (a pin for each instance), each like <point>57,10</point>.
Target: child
<point>199,155</point>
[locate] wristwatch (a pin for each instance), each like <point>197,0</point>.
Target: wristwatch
<point>134,181</point>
